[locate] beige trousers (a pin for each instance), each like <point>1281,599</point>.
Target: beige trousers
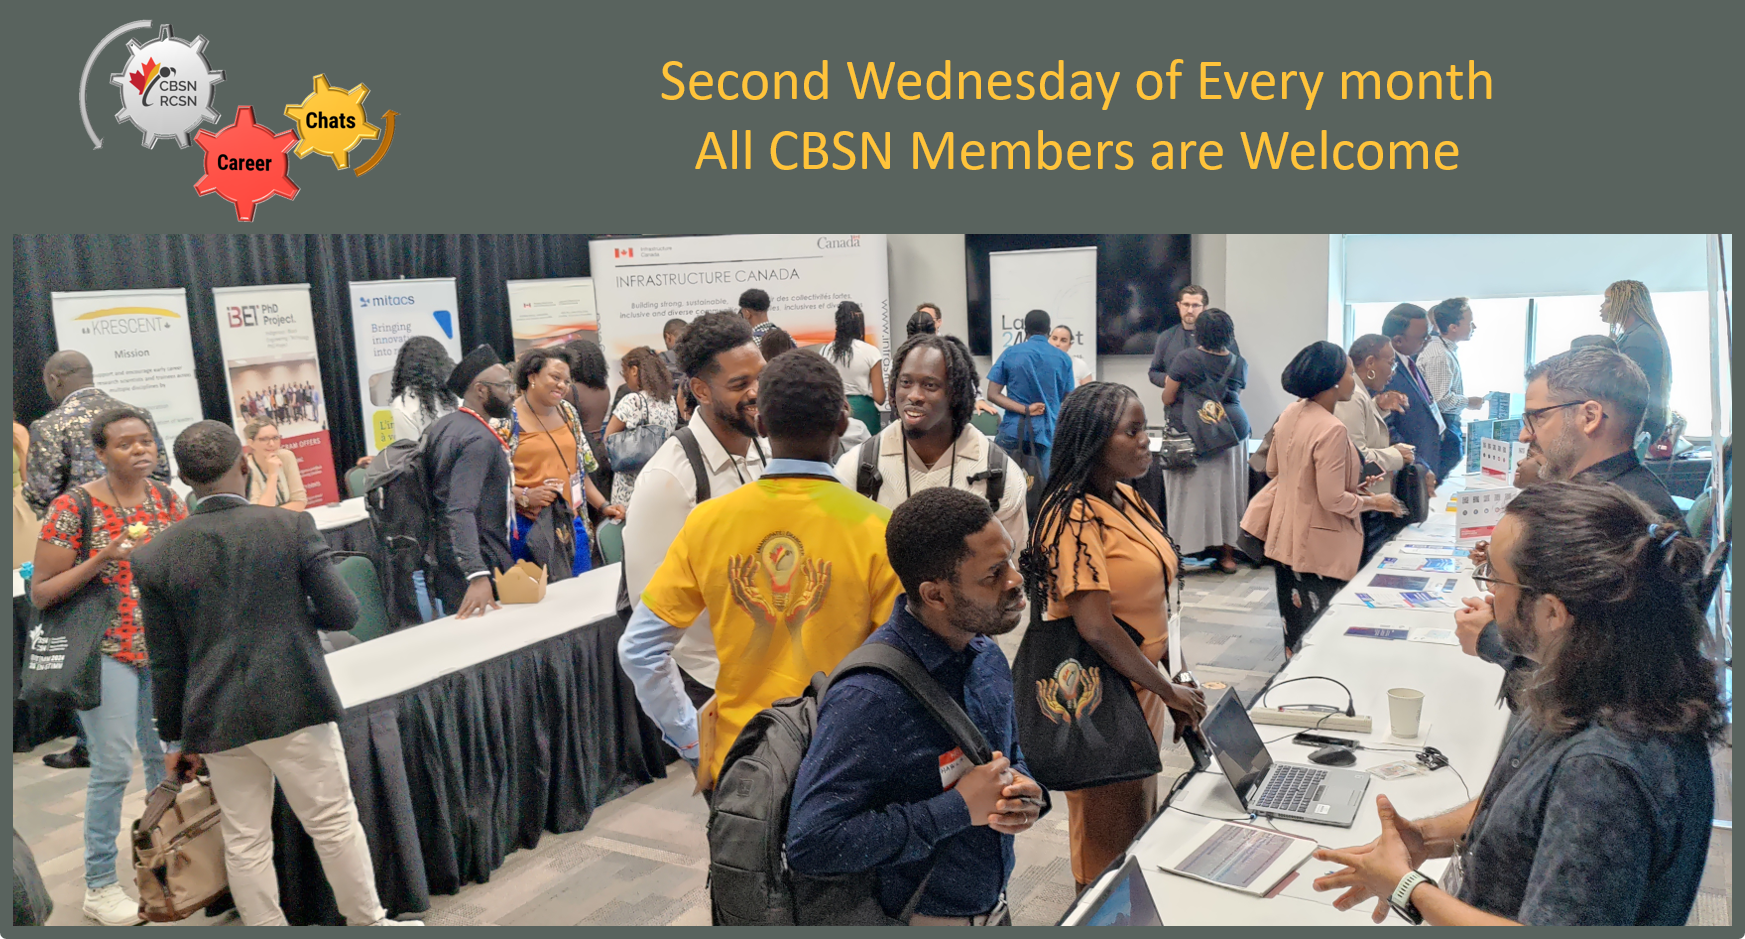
<point>310,766</point>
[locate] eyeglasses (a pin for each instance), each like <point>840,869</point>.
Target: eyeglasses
<point>1483,577</point>
<point>265,439</point>
<point>503,385</point>
<point>1529,417</point>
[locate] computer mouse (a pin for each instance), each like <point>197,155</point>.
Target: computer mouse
<point>1333,756</point>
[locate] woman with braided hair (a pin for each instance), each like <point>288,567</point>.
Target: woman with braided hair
<point>420,387</point>
<point>1099,555</point>
<point>859,363</point>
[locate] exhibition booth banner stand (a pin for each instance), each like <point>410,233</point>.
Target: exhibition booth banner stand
<point>384,314</point>
<point>272,372</point>
<point>1062,281</point>
<point>641,283</point>
<point>552,311</point>
<point>140,349</point>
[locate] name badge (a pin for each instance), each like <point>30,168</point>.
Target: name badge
<point>953,766</point>
<point>1455,875</point>
<point>578,500</point>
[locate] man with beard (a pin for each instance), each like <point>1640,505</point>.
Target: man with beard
<point>1580,418</point>
<point>883,787</point>
<point>712,455</point>
<point>932,442</point>
<point>1598,809</point>
<point>469,485</point>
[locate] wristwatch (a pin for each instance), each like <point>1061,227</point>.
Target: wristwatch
<point>1401,900</point>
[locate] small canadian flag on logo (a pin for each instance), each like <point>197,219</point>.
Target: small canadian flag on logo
<point>624,252</point>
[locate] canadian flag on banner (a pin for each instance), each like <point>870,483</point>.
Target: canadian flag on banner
<point>623,252</point>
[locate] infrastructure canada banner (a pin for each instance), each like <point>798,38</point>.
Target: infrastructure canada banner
<point>140,349</point>
<point>641,283</point>
<point>384,314</point>
<point>272,373</point>
<point>552,311</point>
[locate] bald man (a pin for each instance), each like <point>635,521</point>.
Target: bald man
<point>61,452</point>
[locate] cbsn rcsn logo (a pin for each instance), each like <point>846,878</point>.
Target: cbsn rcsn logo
<point>256,314</point>
<point>851,241</point>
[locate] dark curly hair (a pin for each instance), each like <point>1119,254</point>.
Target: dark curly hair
<point>534,361</point>
<point>422,368</point>
<point>960,375</point>
<point>755,300</point>
<point>850,325</point>
<point>800,396</point>
<point>922,322</point>
<point>1632,660</point>
<point>587,363</point>
<point>206,450</point>
<point>657,382</point>
<point>775,342</point>
<point>928,535</point>
<point>1089,416</point>
<point>100,426</point>
<point>1214,330</point>
<point>708,336</point>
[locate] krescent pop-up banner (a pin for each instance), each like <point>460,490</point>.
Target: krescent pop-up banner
<point>384,314</point>
<point>272,373</point>
<point>641,283</point>
<point>140,349</point>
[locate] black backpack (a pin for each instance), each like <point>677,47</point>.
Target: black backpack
<point>403,512</point>
<point>868,480</point>
<point>749,880</point>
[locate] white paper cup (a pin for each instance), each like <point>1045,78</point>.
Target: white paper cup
<point>1405,707</point>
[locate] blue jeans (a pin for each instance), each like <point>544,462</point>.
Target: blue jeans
<point>112,728</point>
<point>1010,445</point>
<point>429,607</point>
<point>1453,448</point>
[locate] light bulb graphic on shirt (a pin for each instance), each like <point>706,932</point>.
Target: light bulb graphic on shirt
<point>780,556</point>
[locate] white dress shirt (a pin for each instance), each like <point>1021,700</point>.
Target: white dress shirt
<point>1440,366</point>
<point>666,492</point>
<point>904,477</point>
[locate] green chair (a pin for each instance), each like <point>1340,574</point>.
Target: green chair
<point>611,537</point>
<point>355,479</point>
<point>986,423</point>
<point>360,575</point>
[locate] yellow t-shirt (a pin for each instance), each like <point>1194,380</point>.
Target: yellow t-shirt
<point>794,575</point>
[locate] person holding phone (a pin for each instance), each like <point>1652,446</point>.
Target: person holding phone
<point>1373,358</point>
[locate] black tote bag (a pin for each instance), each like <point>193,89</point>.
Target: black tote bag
<point>62,661</point>
<point>1079,721</point>
<point>1207,423</point>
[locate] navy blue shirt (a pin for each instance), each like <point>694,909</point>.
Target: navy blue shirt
<point>1595,829</point>
<point>1033,371</point>
<point>870,796</point>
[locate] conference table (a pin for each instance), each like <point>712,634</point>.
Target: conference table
<point>343,525</point>
<point>1461,717</point>
<point>468,739</point>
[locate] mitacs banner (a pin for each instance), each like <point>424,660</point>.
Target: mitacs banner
<point>552,311</point>
<point>384,314</point>
<point>140,350</point>
<point>642,283</point>
<point>268,337</point>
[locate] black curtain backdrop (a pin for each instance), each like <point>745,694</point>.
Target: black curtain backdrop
<point>480,264</point>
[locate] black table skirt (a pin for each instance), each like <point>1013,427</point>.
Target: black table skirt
<point>452,776</point>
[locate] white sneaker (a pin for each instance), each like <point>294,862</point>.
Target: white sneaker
<point>111,906</point>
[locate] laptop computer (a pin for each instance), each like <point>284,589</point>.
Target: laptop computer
<point>1299,791</point>
<point>1126,901</point>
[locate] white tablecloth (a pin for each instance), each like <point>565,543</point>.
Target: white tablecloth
<point>1461,718</point>
<point>403,660</point>
<point>339,514</point>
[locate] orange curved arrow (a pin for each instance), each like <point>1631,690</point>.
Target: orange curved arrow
<point>387,138</point>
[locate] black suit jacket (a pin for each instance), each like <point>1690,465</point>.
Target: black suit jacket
<point>469,484</point>
<point>1417,426</point>
<point>231,599</point>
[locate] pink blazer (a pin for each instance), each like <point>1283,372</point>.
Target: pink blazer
<point>1308,514</point>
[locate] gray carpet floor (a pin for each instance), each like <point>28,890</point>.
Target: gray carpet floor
<point>642,860</point>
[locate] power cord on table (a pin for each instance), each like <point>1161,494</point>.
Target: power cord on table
<point>1350,701</point>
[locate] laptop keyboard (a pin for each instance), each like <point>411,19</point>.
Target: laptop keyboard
<point>1292,789</point>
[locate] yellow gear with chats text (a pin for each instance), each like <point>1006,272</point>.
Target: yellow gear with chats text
<point>331,121</point>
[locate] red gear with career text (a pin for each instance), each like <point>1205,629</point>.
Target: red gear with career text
<point>246,164</point>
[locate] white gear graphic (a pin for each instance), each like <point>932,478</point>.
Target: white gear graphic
<point>166,88</point>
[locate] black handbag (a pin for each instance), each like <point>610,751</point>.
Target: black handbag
<point>1412,489</point>
<point>1030,464</point>
<point>1176,450</point>
<point>1079,721</point>
<point>1208,424</point>
<point>630,450</point>
<point>62,659</point>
